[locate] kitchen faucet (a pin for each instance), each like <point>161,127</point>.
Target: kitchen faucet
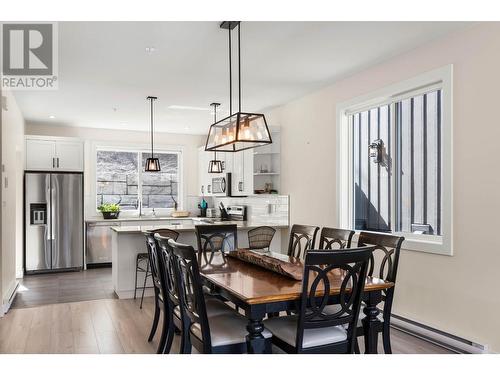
<point>138,204</point>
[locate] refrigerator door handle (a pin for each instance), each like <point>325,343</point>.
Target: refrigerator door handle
<point>48,226</point>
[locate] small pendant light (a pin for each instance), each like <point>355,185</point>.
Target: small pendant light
<point>242,130</point>
<point>215,166</point>
<point>152,163</point>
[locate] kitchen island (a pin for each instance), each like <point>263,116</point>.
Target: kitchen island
<point>128,241</point>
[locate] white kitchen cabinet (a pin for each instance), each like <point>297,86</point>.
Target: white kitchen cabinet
<point>40,154</point>
<point>54,154</point>
<point>69,156</point>
<point>239,164</point>
<point>242,173</point>
<point>204,178</point>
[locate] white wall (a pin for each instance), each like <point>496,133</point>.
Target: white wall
<point>455,294</point>
<point>189,144</point>
<point>12,195</point>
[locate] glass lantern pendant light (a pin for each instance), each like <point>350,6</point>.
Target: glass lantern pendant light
<point>215,166</point>
<point>241,130</point>
<point>152,163</point>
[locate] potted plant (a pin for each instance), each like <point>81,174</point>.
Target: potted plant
<point>109,210</point>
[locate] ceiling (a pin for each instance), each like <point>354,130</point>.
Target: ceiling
<point>105,72</point>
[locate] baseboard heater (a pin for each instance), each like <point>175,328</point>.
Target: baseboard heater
<point>437,337</point>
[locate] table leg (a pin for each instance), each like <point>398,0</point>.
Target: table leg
<point>256,343</point>
<point>371,323</point>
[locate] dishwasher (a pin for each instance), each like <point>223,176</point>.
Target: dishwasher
<point>99,243</point>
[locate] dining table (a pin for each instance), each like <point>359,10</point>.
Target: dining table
<point>262,293</point>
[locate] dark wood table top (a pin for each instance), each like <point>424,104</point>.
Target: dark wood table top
<point>255,285</point>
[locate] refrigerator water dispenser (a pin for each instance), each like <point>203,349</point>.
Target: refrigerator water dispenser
<point>38,213</point>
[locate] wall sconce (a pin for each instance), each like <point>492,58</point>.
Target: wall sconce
<point>375,150</point>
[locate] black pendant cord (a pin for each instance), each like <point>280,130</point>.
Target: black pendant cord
<point>239,69</point>
<point>230,78</point>
<point>152,130</point>
<point>215,105</point>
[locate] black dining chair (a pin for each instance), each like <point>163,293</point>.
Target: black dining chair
<point>222,334</point>
<point>173,320</point>
<point>302,238</point>
<point>333,238</point>
<point>316,330</point>
<point>383,264</point>
<point>260,238</point>
<point>158,276</point>
<point>215,239</point>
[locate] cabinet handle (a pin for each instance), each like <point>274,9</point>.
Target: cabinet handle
<point>57,162</point>
<point>53,162</point>
<point>208,189</point>
<point>202,189</point>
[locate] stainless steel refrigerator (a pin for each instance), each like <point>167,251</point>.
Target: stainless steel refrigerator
<point>53,221</point>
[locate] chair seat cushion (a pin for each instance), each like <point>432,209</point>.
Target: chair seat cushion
<point>285,328</point>
<point>226,329</point>
<point>332,309</point>
<point>214,308</point>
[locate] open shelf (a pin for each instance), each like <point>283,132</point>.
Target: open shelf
<point>266,153</point>
<point>268,158</point>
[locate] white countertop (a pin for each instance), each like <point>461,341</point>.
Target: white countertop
<point>189,227</point>
<point>99,219</point>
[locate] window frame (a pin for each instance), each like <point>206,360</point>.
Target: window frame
<point>139,149</point>
<point>441,78</point>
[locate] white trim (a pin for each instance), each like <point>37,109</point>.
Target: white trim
<point>52,138</point>
<point>134,147</point>
<point>442,78</point>
<point>11,293</point>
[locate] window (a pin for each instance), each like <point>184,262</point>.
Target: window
<point>395,162</point>
<point>160,189</point>
<point>117,174</point>
<point>120,178</point>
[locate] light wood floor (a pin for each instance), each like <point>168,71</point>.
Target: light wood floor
<point>111,326</point>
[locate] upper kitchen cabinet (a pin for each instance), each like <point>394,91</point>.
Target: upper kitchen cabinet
<point>54,154</point>
<point>204,183</point>
<point>242,173</point>
<point>239,164</point>
<point>40,154</point>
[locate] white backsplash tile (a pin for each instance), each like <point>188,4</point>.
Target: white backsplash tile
<point>266,209</point>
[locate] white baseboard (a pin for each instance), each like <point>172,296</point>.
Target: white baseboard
<point>128,294</point>
<point>12,294</point>
<point>435,336</point>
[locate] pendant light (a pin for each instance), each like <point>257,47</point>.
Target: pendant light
<point>241,130</point>
<point>215,166</point>
<point>152,163</point>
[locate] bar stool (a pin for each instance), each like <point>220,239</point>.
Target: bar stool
<point>142,266</point>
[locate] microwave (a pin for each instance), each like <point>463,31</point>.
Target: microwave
<point>221,186</point>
